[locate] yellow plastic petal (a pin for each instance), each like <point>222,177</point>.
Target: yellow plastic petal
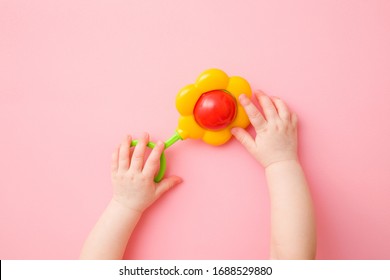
<point>211,79</point>
<point>217,137</point>
<point>188,128</point>
<point>238,86</point>
<point>186,100</point>
<point>242,119</point>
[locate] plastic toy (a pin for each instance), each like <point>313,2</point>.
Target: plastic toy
<point>208,110</point>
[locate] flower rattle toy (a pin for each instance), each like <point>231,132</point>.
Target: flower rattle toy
<point>208,110</point>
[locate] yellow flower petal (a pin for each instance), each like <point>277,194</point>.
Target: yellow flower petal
<point>188,128</point>
<point>242,119</point>
<point>217,137</point>
<point>238,86</point>
<point>211,79</point>
<point>186,99</point>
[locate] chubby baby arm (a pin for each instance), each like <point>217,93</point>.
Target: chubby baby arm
<point>134,190</point>
<point>293,233</point>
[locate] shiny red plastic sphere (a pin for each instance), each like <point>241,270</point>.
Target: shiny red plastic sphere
<point>215,110</point>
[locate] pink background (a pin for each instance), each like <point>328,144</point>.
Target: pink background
<point>77,76</point>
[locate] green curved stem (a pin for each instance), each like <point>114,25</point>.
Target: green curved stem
<point>163,162</point>
<point>176,137</point>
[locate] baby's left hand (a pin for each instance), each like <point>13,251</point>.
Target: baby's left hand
<point>133,177</point>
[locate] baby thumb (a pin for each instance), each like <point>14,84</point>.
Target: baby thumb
<point>167,184</point>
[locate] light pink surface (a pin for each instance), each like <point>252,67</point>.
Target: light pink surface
<point>76,76</point>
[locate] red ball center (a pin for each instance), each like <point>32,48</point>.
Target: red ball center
<point>215,110</point>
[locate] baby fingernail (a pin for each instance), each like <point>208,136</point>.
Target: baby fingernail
<point>160,144</point>
<point>244,99</point>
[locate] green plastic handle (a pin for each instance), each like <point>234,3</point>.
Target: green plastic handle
<point>163,162</point>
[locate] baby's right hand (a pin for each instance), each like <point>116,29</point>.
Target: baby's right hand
<point>276,130</point>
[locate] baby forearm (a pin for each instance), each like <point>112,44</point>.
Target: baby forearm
<point>292,218</point>
<point>109,238</point>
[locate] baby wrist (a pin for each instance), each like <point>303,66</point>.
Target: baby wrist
<point>125,207</point>
<point>282,162</point>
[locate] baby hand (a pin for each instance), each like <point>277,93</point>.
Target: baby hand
<point>276,130</point>
<point>133,177</point>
